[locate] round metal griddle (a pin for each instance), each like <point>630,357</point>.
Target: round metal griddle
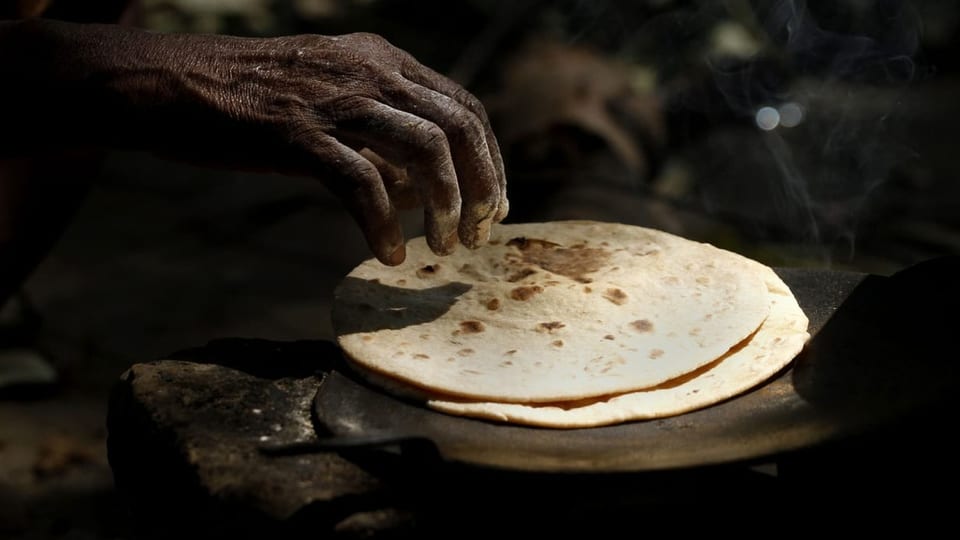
<point>876,357</point>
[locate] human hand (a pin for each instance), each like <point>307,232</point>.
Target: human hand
<point>356,112</point>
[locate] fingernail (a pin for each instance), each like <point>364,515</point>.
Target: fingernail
<point>397,256</point>
<point>450,243</point>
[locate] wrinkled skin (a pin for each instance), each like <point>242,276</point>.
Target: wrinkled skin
<point>378,128</point>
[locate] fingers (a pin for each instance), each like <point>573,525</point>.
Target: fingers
<point>426,77</point>
<point>401,189</point>
<point>477,174</point>
<point>401,137</point>
<point>359,185</point>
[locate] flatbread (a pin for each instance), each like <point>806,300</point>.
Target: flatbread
<point>550,312</point>
<point>775,344</point>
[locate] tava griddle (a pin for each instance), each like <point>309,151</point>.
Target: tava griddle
<point>875,358</point>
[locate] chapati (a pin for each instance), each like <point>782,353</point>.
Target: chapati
<point>550,312</point>
<point>775,344</point>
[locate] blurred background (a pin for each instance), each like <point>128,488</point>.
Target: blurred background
<point>814,134</point>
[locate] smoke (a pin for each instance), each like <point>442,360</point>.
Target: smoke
<point>823,98</point>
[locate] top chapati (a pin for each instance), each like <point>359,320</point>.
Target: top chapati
<point>550,312</point>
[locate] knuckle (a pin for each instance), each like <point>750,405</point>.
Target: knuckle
<point>471,102</point>
<point>465,128</point>
<point>428,137</point>
<point>363,174</point>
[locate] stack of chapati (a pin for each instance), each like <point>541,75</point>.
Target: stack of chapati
<point>569,324</point>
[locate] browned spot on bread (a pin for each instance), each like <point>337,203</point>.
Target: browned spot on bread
<point>493,304</point>
<point>551,283</point>
<point>375,280</point>
<point>506,363</point>
<point>521,274</point>
<point>525,293</point>
<point>642,325</point>
<point>465,352</point>
<point>550,326</point>
<point>471,372</point>
<point>367,338</point>
<point>587,289</point>
<point>609,337</point>
<point>703,280</point>
<point>574,262</point>
<point>421,356</point>
<point>694,332</point>
<point>616,296</point>
<point>471,271</point>
<point>425,337</point>
<point>655,353</point>
<point>401,282</point>
<point>494,242</point>
<point>428,271</point>
<point>557,343</point>
<point>471,327</point>
<point>511,351</point>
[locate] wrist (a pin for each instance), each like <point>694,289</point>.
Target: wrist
<point>75,85</point>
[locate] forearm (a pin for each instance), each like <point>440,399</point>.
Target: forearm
<point>70,86</point>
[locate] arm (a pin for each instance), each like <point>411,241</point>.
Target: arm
<point>330,107</point>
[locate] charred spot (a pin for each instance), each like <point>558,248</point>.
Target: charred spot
<point>550,326</point>
<point>523,273</point>
<point>421,356</point>
<point>525,293</point>
<point>655,353</point>
<point>493,304</point>
<point>471,327</point>
<point>510,352</point>
<point>428,270</point>
<point>616,296</point>
<point>523,243</point>
<point>609,337</point>
<point>642,325</point>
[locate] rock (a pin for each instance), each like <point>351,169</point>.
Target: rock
<point>185,437</point>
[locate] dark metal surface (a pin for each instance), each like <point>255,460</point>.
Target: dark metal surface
<point>881,351</point>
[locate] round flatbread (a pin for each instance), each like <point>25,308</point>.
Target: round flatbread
<point>775,344</point>
<point>550,312</point>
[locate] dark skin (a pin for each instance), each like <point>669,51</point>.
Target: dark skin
<point>378,128</point>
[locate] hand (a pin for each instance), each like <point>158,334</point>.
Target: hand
<point>361,115</point>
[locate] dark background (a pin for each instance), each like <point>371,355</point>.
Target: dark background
<point>642,112</point>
